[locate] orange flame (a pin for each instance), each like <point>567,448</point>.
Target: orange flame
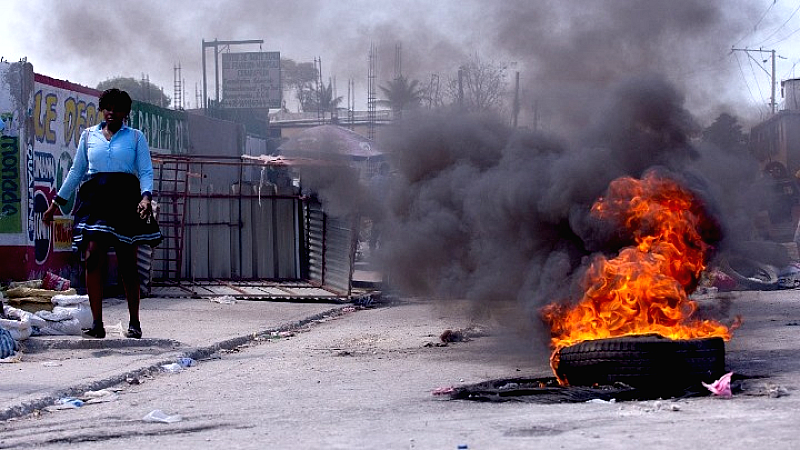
<point>644,289</point>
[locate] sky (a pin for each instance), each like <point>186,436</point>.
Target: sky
<point>566,51</point>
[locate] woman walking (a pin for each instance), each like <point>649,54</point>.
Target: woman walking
<point>113,206</point>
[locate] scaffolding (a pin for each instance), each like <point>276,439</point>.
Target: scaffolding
<point>372,99</point>
<point>177,95</point>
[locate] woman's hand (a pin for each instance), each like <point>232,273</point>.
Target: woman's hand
<point>145,208</point>
<point>48,215</point>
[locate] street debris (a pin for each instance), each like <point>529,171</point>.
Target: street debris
<point>117,329</point>
<point>172,368</point>
<point>186,362</point>
<point>721,387</point>
<point>453,336</point>
<point>225,300</point>
<point>66,403</point>
<point>446,390</point>
<point>601,401</point>
<point>179,365</point>
<point>789,276</point>
<point>161,417</point>
<point>99,396</point>
<point>281,334</point>
<point>462,335</point>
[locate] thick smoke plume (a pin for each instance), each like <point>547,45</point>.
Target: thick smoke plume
<point>500,216</point>
<point>568,54</point>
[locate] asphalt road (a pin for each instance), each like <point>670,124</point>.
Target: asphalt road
<point>364,379</point>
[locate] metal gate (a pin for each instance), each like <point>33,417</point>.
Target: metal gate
<point>245,228</point>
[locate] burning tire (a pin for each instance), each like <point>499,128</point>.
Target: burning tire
<point>657,366</point>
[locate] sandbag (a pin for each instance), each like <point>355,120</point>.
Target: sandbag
<point>17,322</point>
<point>69,316</point>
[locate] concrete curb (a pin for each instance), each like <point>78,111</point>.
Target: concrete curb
<point>42,344</point>
<point>29,407</point>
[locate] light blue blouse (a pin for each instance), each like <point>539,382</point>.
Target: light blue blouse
<point>127,152</point>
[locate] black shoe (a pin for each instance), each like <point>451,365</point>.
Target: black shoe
<point>134,332</point>
<point>94,332</point>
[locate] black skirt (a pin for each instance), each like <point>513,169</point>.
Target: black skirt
<point>105,211</point>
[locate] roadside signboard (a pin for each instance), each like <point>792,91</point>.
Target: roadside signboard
<point>251,80</point>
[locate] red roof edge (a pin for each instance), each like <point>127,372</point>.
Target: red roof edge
<point>65,85</point>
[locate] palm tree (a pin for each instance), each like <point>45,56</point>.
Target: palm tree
<point>326,100</point>
<point>402,94</point>
<point>322,99</point>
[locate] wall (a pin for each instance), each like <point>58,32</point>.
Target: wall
<point>166,130</point>
<point>43,120</point>
<point>248,235</point>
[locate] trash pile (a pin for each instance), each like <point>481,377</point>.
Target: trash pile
<point>40,308</point>
<point>754,265</point>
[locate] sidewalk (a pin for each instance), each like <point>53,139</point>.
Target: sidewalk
<point>53,367</point>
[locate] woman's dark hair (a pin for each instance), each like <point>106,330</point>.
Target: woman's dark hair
<point>116,99</point>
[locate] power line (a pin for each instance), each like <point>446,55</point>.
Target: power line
<point>744,78</point>
<point>784,38</point>
<point>753,71</point>
<point>780,27</point>
<point>755,27</point>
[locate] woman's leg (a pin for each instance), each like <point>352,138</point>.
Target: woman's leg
<point>95,257</point>
<point>129,272</point>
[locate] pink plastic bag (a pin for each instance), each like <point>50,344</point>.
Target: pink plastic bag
<point>721,387</point>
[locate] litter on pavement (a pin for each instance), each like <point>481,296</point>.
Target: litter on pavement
<point>66,403</point>
<point>99,396</point>
<point>225,300</point>
<point>721,387</point>
<point>187,362</point>
<point>157,415</point>
<point>172,367</point>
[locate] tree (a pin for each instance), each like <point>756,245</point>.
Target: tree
<point>726,133</point>
<point>322,99</point>
<point>300,78</point>
<point>402,94</point>
<point>141,90</point>
<point>479,87</point>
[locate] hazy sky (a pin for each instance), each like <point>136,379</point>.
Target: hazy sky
<point>564,50</point>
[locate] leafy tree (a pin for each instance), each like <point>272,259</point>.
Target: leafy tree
<point>300,78</point>
<point>726,133</point>
<point>402,94</point>
<point>141,90</point>
<point>480,87</point>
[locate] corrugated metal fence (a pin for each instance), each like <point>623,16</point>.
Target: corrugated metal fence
<point>246,221</point>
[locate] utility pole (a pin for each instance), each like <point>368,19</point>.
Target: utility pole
<point>516,101</point>
<point>772,101</point>
<point>216,45</point>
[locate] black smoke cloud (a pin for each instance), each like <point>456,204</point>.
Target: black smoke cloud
<point>567,55</point>
<point>500,216</point>
<point>609,88</point>
<point>572,56</point>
